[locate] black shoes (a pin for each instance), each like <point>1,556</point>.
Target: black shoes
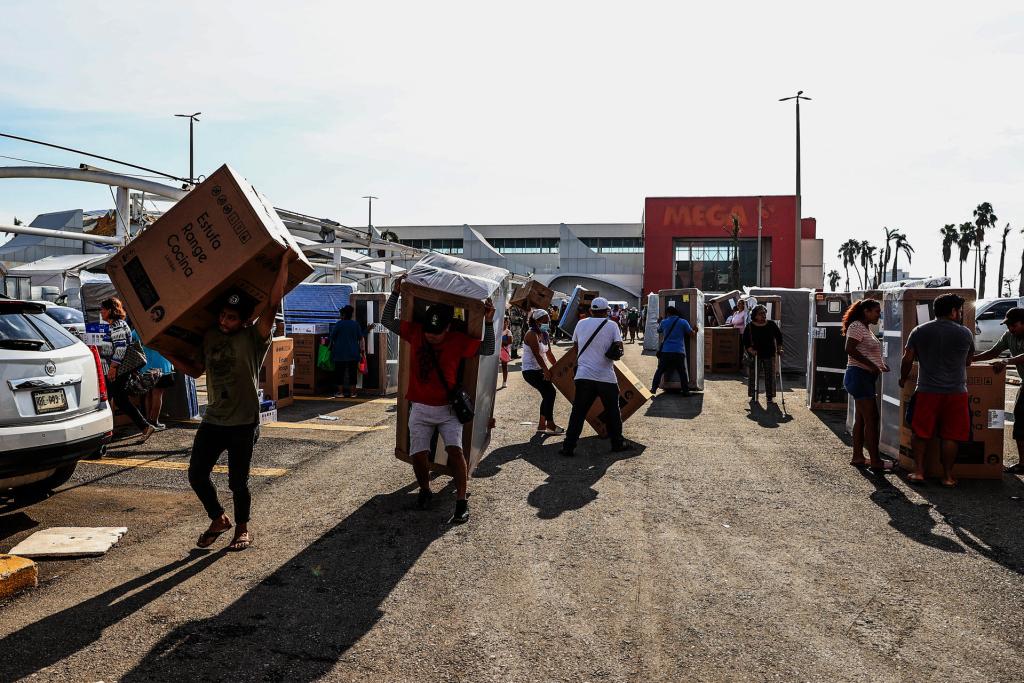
<point>423,499</point>
<point>461,515</point>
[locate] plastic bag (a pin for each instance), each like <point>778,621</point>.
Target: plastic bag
<point>323,359</point>
<point>362,365</point>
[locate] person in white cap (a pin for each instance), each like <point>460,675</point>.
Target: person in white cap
<point>537,362</point>
<point>597,343</point>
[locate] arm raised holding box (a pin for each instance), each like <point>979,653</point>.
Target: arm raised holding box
<point>387,316</point>
<point>193,369</point>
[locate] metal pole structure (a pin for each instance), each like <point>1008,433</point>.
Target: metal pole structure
<point>123,213</point>
<point>192,118</point>
<point>759,225</point>
<point>62,234</point>
<point>369,221</point>
<point>798,275</point>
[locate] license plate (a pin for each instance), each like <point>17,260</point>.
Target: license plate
<point>49,401</point>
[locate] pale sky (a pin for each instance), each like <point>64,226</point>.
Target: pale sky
<point>536,112</point>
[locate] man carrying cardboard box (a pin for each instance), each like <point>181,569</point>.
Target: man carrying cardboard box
<point>939,408</point>
<point>1012,341</point>
<point>596,338</point>
<point>438,352</point>
<point>232,353</point>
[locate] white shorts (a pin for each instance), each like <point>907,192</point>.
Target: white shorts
<point>422,421</point>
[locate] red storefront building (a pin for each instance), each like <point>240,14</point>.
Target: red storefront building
<point>688,243</point>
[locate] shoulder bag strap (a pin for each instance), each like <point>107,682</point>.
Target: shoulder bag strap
<point>594,334</point>
<point>668,334</point>
<point>437,367</point>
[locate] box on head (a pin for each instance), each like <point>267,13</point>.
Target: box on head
<point>222,241</point>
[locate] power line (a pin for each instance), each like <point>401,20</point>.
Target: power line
<point>95,156</point>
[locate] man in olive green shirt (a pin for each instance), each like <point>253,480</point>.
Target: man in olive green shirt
<point>233,352</point>
<point>1012,341</point>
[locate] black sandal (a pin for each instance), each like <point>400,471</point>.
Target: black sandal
<point>1015,469</point>
<point>208,538</point>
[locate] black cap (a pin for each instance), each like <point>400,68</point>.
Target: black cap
<point>1014,315</point>
<point>439,317</point>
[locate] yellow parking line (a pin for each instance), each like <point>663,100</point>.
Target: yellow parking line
<point>342,399</point>
<point>322,427</point>
<point>178,465</point>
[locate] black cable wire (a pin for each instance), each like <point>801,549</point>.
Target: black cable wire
<point>95,156</point>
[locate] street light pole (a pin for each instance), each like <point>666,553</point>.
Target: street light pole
<point>799,231</point>
<point>192,118</point>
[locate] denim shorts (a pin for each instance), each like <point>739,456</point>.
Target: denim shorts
<point>860,383</point>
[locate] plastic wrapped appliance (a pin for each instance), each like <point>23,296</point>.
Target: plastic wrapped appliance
<point>796,314</point>
<point>579,303</point>
<point>651,324</point>
<point>690,304</point>
<point>826,351</point>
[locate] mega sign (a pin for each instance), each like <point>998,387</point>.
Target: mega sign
<point>703,216</point>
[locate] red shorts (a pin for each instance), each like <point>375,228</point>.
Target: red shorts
<point>947,414</point>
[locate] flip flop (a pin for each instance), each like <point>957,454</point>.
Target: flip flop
<point>239,544</point>
<point>210,537</point>
<point>915,480</point>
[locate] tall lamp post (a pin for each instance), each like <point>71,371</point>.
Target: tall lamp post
<point>799,232</point>
<point>192,118</point>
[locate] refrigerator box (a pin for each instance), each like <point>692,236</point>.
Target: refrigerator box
<point>578,307</point>
<point>532,295</point>
<point>308,378</point>
<point>633,394</point>
<point>902,311</point>
<point>690,304</point>
<point>796,304</point>
<point>463,284</point>
<point>722,350</point>
<point>381,376</point>
<point>277,375</point>
<point>223,238</point>
<point>826,351</point>
<point>982,456</point>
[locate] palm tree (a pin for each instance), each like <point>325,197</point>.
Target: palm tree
<point>833,279</point>
<point>1002,258</point>
<point>900,243</point>
<point>984,218</point>
<point>867,259</point>
<point>950,236</point>
<point>734,265</point>
<point>890,234</point>
<point>965,241</point>
<point>848,251</point>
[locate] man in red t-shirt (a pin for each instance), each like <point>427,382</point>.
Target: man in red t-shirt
<point>437,351</point>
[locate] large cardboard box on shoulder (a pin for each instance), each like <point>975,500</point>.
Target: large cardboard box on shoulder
<point>632,392</point>
<point>222,238</point>
<point>532,295</point>
<point>982,456</point>
<point>464,285</point>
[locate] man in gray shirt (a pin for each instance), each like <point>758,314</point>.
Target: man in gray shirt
<point>943,349</point>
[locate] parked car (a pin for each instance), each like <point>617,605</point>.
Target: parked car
<point>71,319</point>
<point>989,314</point>
<point>54,409</point>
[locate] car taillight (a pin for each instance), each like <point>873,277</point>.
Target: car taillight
<point>101,380</point>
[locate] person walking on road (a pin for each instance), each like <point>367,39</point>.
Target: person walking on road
<point>939,409</point>
<point>1013,342</point>
<point>437,352</point>
<point>863,367</point>
<point>348,344</point>
<point>112,313</point>
<point>632,323</point>
<point>762,339</point>
<point>232,353</point>
<point>505,355</point>
<point>595,339</point>
<point>537,362</point>
<point>672,353</point>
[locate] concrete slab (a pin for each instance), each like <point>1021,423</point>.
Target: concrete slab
<point>17,574</point>
<point>69,541</point>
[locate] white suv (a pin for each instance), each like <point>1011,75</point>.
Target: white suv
<point>989,326</point>
<point>53,400</point>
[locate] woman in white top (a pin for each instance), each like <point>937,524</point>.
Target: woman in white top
<point>738,319</point>
<point>537,362</point>
<point>864,366</point>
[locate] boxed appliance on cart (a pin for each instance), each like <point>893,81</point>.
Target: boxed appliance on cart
<point>633,394</point>
<point>465,285</point>
<point>826,351</point>
<point>381,376</point>
<point>690,304</point>
<point>222,238</point>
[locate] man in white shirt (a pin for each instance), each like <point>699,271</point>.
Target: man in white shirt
<point>595,377</point>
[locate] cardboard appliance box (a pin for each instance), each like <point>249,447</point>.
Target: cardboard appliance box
<point>722,305</point>
<point>532,295</point>
<point>309,379</point>
<point>276,376</point>
<point>722,349</point>
<point>633,394</point>
<point>222,238</point>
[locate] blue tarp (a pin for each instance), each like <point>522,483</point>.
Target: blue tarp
<point>311,303</point>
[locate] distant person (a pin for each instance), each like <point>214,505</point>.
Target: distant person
<point>1012,341</point>
<point>112,313</point>
<point>505,355</point>
<point>864,365</point>
<point>632,323</point>
<point>594,339</point>
<point>348,344</point>
<point>738,319</point>
<point>232,354</point>
<point>672,353</point>
<point>537,363</point>
<point>762,339</point>
<point>437,351</point>
<point>939,409</point>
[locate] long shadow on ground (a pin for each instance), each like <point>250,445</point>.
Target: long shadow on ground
<point>65,633</point>
<point>674,405</point>
<point>570,481</point>
<point>297,623</point>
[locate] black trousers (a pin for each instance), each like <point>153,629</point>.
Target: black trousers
<point>119,393</point>
<point>535,378</point>
<point>210,442</point>
<point>667,362</point>
<point>765,366</point>
<point>345,372</point>
<point>588,391</point>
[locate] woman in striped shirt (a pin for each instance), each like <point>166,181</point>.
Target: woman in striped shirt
<point>112,312</point>
<point>864,366</point>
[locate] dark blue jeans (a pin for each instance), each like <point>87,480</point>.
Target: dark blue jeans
<point>667,363</point>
